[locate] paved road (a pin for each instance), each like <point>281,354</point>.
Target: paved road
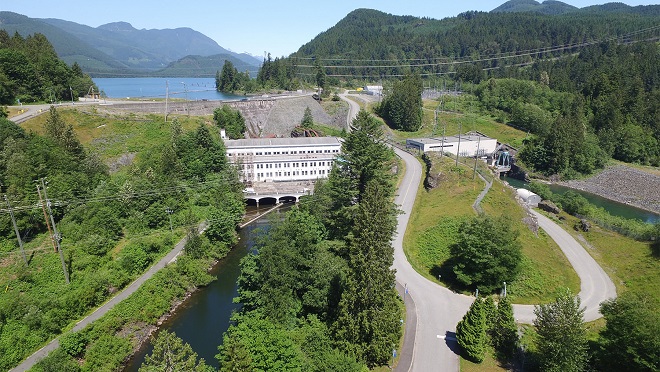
<point>439,309</point>
<point>353,110</point>
<point>595,285</point>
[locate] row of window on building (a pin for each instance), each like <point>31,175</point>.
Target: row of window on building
<point>321,172</point>
<point>292,152</point>
<point>291,165</point>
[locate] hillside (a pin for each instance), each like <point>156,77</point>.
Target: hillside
<point>204,66</point>
<point>117,48</point>
<point>377,36</point>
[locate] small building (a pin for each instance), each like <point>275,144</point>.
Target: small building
<point>283,159</point>
<point>466,145</point>
<point>529,197</point>
<point>374,90</point>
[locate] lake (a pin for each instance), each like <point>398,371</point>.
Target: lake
<point>179,88</point>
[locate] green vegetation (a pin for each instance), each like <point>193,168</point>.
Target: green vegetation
<point>113,227</point>
<point>471,332</point>
<point>562,341</point>
<point>172,354</point>
<point>439,213</point>
<point>486,254</point>
<point>402,109</point>
<point>231,121</point>
<point>30,71</point>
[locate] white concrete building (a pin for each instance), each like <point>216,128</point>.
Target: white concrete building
<point>374,90</point>
<point>283,159</point>
<point>467,145</point>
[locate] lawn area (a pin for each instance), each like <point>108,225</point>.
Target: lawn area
<point>438,213</point>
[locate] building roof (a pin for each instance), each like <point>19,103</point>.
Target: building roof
<point>451,139</point>
<point>280,142</point>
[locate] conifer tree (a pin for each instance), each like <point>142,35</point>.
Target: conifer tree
<point>471,332</point>
<point>505,331</point>
<point>490,312</point>
<point>368,321</point>
<point>172,354</point>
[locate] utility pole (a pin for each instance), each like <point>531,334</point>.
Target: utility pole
<point>56,235</point>
<point>43,208</point>
<point>18,234</point>
<point>476,157</point>
<point>169,212</point>
<point>167,96</point>
<point>71,90</point>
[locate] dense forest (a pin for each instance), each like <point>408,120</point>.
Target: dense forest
<point>30,71</point>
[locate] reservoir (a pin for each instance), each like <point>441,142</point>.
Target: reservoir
<point>611,206</point>
<point>203,318</point>
<point>179,88</point>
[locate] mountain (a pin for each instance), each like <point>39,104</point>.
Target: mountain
<point>120,49</point>
<point>496,38</point>
<point>548,7</point>
<point>199,66</point>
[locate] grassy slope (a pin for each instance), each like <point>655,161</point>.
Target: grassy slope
<point>437,213</point>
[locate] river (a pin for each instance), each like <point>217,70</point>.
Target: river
<point>611,206</point>
<point>204,317</point>
<point>179,88</point>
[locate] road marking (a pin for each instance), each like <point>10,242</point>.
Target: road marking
<point>448,338</point>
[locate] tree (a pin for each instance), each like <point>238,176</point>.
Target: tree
<point>487,253</point>
<point>471,332</point>
<point>231,121</point>
<point>171,354</point>
<point>307,119</point>
<point>228,81</point>
<point>630,340</point>
<point>368,313</point>
<point>562,341</point>
<point>402,109</point>
<point>364,158</point>
<point>505,332</point>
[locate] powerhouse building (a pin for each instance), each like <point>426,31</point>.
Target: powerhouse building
<point>283,159</point>
<point>466,145</point>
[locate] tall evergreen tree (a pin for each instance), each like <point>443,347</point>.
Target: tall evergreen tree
<point>402,109</point>
<point>368,323</point>
<point>562,340</point>
<point>505,331</point>
<point>471,332</point>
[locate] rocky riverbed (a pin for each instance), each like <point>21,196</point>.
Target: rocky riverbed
<point>625,185</point>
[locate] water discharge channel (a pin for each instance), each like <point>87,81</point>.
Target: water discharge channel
<point>611,206</point>
<point>203,318</point>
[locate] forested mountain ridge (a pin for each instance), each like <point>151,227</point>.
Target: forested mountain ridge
<point>371,34</point>
<point>118,48</point>
<point>547,7</point>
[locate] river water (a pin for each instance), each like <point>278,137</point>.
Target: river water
<point>179,88</point>
<point>203,318</point>
<point>613,207</point>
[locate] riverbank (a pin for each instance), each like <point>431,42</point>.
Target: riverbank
<point>623,184</point>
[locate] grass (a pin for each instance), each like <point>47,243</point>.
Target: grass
<point>437,214</point>
<point>111,136</point>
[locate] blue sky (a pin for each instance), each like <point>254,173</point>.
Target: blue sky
<point>256,26</point>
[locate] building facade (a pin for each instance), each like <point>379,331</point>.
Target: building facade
<point>283,159</point>
<point>466,145</point>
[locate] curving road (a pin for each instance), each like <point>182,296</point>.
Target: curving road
<point>439,309</point>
